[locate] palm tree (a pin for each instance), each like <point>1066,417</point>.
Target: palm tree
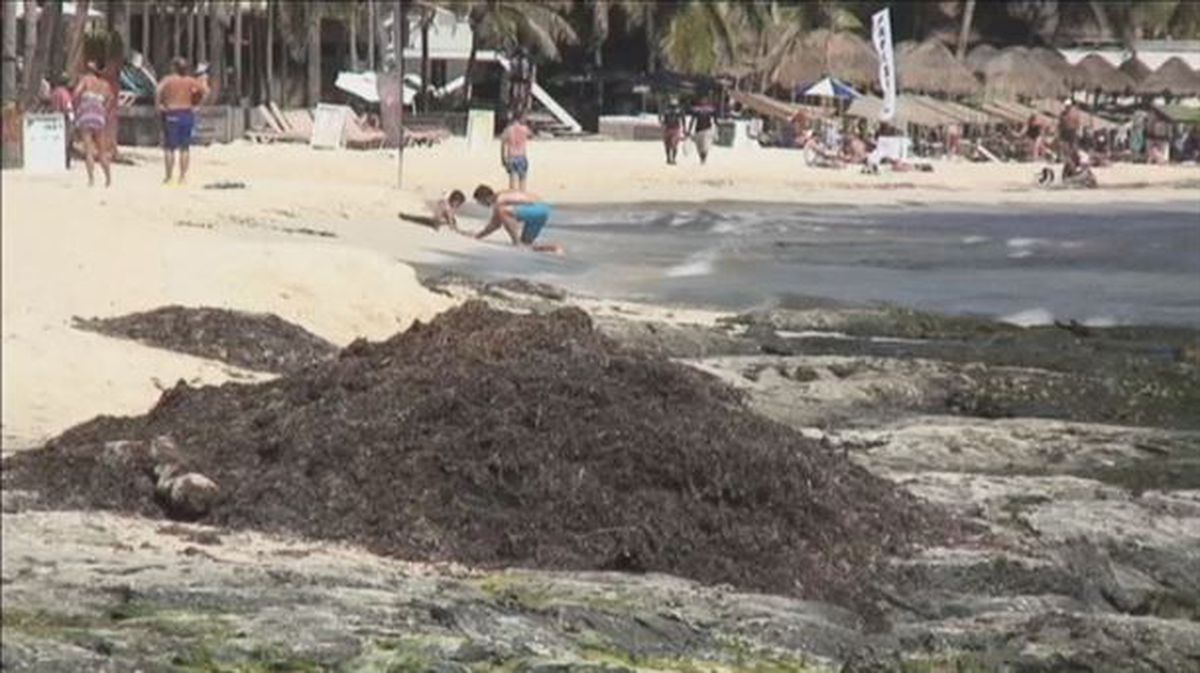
<point>964,33</point>
<point>8,75</point>
<point>314,12</point>
<point>72,58</point>
<point>508,23</point>
<point>700,36</point>
<point>49,26</point>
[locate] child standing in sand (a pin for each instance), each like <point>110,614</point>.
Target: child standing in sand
<point>513,148</point>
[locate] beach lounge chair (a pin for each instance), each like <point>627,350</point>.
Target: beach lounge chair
<point>265,127</point>
<point>424,134</point>
<point>359,136</point>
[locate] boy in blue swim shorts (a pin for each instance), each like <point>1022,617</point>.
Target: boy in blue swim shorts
<point>523,216</point>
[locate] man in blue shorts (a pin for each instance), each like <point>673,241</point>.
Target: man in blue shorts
<point>523,216</point>
<point>177,96</point>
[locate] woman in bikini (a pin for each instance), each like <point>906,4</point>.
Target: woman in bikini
<point>92,95</point>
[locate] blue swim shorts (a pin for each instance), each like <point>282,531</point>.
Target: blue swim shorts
<point>518,166</point>
<point>534,217</point>
<point>178,126</point>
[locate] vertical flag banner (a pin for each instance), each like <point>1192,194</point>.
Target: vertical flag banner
<point>881,35</point>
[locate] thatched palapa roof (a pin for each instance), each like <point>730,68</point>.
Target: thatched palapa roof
<point>824,52</point>
<point>1052,59</point>
<point>979,57</point>
<point>930,68</point>
<point>1174,77</point>
<point>1095,72</point>
<point>1136,70</point>
<point>1016,74</point>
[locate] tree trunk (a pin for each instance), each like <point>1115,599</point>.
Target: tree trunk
<point>145,34</point>
<point>31,41</point>
<point>426,20</point>
<point>202,32</point>
<point>469,73</point>
<point>400,27</point>
<point>8,74</point>
<point>270,51</point>
<point>285,59</point>
<point>161,39</point>
<point>965,30</point>
<point>189,35</point>
<point>177,32</point>
<point>651,38</point>
<point>1102,18</point>
<point>964,33</point>
<point>118,20</point>
<point>353,26</point>
<point>239,84</point>
<point>216,51</point>
<point>381,41</point>
<point>313,96</point>
<point>371,35</point>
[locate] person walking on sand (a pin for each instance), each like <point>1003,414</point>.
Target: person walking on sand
<point>177,96</point>
<point>1070,120</point>
<point>672,124</point>
<point>513,152</point>
<point>92,95</point>
<point>703,126</point>
<point>523,216</point>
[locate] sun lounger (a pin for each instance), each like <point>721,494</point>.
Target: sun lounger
<point>359,136</point>
<point>265,128</point>
<point>424,135</point>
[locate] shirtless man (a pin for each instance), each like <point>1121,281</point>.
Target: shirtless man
<point>513,152</point>
<point>522,215</point>
<point>178,95</point>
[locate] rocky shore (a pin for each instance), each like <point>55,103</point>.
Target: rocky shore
<point>1071,452</point>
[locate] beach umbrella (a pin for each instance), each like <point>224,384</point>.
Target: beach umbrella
<point>363,85</point>
<point>1173,77</point>
<point>831,87</point>
<point>823,53</point>
<point>1135,68</point>
<point>979,57</point>
<point>1013,73</point>
<point>1094,72</point>
<point>929,67</point>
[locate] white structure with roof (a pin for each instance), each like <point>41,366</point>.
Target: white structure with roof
<point>450,48</point>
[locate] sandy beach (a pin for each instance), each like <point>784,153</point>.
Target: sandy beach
<point>301,239</point>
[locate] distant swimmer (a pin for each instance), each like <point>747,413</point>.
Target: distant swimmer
<point>523,216</point>
<point>445,213</point>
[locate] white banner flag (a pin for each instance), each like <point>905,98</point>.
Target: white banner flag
<point>881,35</point>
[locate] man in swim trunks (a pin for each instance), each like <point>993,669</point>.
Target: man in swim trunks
<point>178,95</point>
<point>522,215</point>
<point>513,152</point>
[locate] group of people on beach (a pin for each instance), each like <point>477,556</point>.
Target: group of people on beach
<point>699,124</point>
<point>522,214</point>
<point>89,111</point>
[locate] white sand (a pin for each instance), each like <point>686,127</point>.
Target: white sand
<point>70,251</point>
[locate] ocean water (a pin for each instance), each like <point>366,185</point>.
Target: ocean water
<point>1098,264</point>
